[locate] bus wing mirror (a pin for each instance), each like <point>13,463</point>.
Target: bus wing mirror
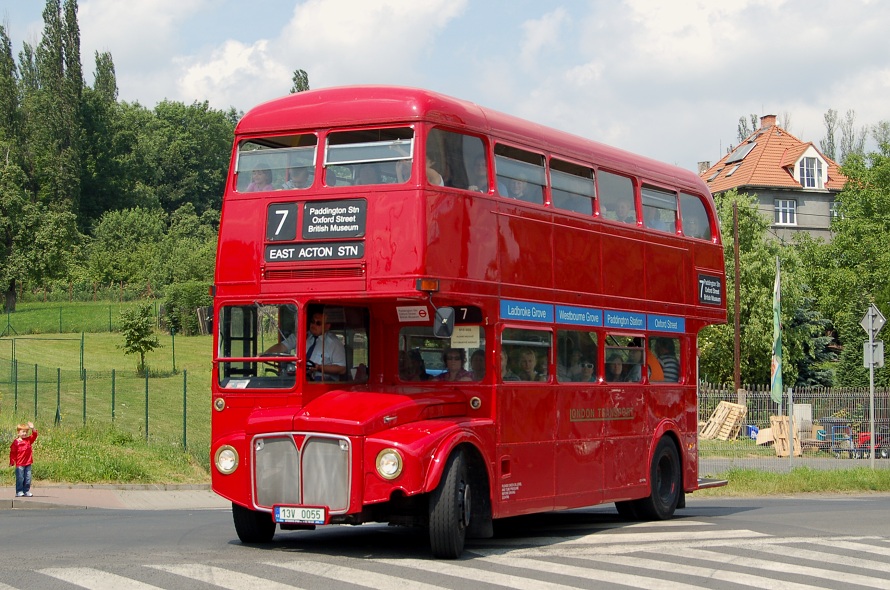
<point>443,327</point>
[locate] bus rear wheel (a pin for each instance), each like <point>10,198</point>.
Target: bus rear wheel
<point>253,526</point>
<point>666,482</point>
<point>450,510</point>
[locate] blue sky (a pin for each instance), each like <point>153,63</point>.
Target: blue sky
<point>668,80</point>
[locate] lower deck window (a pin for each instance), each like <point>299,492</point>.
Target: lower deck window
<point>423,357</point>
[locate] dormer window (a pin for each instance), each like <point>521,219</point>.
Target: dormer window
<point>810,172</point>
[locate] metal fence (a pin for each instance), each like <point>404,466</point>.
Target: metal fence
<point>832,429</point>
<point>170,408</point>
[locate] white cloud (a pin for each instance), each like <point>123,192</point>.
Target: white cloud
<point>540,33</point>
<point>336,42</point>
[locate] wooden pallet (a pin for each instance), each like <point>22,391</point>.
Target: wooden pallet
<point>725,423</point>
<point>779,426</point>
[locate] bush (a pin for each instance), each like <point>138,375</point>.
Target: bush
<point>181,303</point>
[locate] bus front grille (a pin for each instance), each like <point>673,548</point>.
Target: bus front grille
<point>311,472</point>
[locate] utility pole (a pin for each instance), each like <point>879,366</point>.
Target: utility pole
<point>737,349</point>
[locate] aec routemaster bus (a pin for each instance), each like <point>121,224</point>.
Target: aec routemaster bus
<point>433,314</point>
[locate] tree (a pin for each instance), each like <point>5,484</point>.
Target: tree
<point>126,247</point>
<point>852,140</point>
<point>137,324</point>
<point>853,270</point>
<point>103,171</point>
<point>827,144</point>
<point>182,153</point>
<point>744,130</point>
<point>300,81</point>
<point>757,262</point>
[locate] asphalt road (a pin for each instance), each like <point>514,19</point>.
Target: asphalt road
<point>800,543</point>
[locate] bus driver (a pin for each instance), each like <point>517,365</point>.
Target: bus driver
<point>325,354</point>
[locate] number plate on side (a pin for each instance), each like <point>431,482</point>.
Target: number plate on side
<point>300,514</point>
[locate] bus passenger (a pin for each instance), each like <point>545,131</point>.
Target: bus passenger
<point>521,189</point>
<point>367,174</point>
<point>506,373</point>
<point>477,365</point>
<point>588,375</point>
<point>260,180</point>
<point>403,170</point>
<point>694,227</point>
<point>572,370</point>
<point>415,368</point>
<point>614,367</point>
<point>454,365</point>
<point>297,177</point>
<point>625,213</point>
<point>432,176</point>
<point>527,363</point>
<point>634,371</point>
<point>478,175</point>
<point>664,348</point>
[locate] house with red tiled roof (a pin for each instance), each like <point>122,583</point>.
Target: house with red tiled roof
<point>794,182</point>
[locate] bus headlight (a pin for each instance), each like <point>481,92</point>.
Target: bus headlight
<point>226,459</point>
<point>389,463</point>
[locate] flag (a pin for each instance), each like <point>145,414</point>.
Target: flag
<point>776,365</point>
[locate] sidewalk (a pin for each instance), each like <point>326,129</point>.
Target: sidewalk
<point>116,497</point>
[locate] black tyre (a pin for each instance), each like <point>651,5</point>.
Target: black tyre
<point>883,453</point>
<point>627,510</point>
<point>666,481</point>
<point>449,510</point>
<point>253,526</point>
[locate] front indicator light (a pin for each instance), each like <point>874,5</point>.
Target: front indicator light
<point>226,459</point>
<point>389,463</point>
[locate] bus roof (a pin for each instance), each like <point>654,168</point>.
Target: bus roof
<point>373,105</point>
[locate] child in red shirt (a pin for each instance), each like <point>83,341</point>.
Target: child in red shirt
<point>21,457</point>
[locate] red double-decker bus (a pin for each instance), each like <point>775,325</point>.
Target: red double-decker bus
<point>433,314</point>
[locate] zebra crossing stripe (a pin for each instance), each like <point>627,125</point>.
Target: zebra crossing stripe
<point>222,577</point>
<point>475,575</point>
<point>612,539</point>
<point>844,578</point>
<point>364,578</point>
<point>685,569</point>
<point>853,546</point>
<point>659,537</point>
<point>93,579</point>
<point>825,557</point>
<point>636,581</point>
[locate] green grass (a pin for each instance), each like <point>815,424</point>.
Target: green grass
<point>800,480</point>
<point>108,455</point>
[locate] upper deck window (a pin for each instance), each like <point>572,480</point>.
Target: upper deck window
<point>573,188</point>
<point>617,197</point>
<point>694,217</point>
<point>369,156</point>
<point>520,174</point>
<point>460,160</point>
<point>659,209</point>
<point>276,163</point>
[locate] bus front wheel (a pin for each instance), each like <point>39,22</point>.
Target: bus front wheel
<point>666,483</point>
<point>449,510</point>
<point>253,526</point>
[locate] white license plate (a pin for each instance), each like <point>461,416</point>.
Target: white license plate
<point>299,514</point>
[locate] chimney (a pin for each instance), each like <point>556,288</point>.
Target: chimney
<point>767,121</point>
<point>703,167</point>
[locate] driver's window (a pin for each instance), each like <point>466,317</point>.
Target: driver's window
<point>336,344</point>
